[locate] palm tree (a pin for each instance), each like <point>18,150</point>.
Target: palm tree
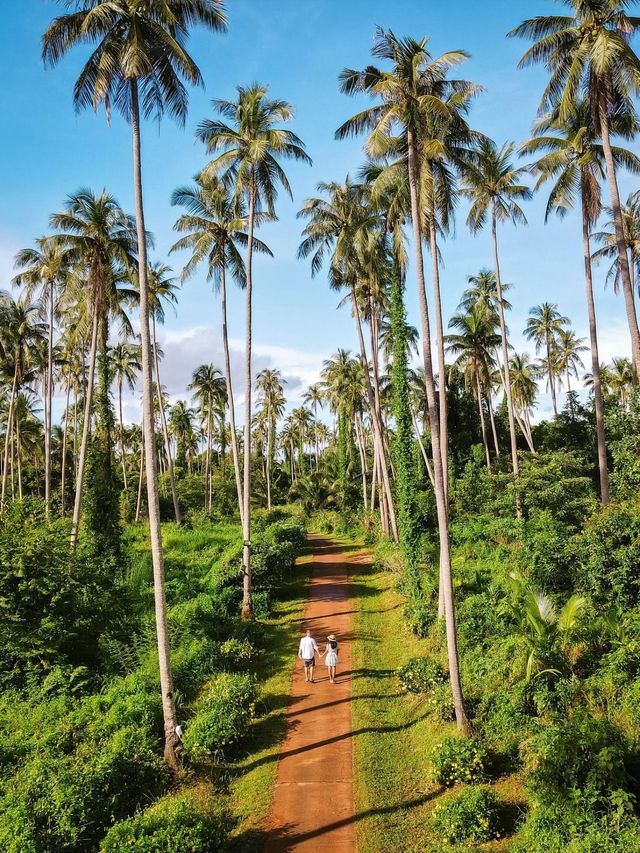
<point>588,52</point>
<point>401,105</point>
<point>569,346</point>
<point>44,268</point>
<point>124,366</point>
<point>574,162</point>
<point>20,332</point>
<point>211,394</point>
<point>248,152</point>
<point>473,345</point>
<point>162,289</point>
<point>98,240</point>
<point>543,327</point>
<point>314,397</point>
<point>181,420</point>
<point>524,389</point>
<point>621,379</point>
<point>631,226</point>
<point>214,228</point>
<point>140,58</point>
<point>494,187</point>
<point>269,385</point>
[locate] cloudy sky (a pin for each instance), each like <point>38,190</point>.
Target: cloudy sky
<point>297,47</point>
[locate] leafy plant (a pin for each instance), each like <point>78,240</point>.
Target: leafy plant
<point>456,760</point>
<point>222,716</point>
<point>421,675</point>
<point>471,815</point>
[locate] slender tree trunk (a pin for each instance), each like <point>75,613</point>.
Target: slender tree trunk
<point>163,423</point>
<point>505,349</point>
<point>63,467</point>
<point>446,580</point>
<point>7,438</point>
<point>377,431</point>
<point>47,406</point>
<point>374,481</point>
<point>74,449</point>
<point>623,260</point>
<point>247,610</point>
<point>232,409</point>
<point>122,453</point>
<point>363,461</point>
<point>268,459</point>
<point>423,452</point>
<point>140,479</point>
<point>552,382</point>
<point>18,459</point>
<point>483,426</point>
<point>164,653</point>
<point>494,431</point>
<point>442,372</point>
<point>86,429</point>
<point>595,357</point>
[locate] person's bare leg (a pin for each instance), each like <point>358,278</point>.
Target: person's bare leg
<point>306,672</point>
<point>311,673</point>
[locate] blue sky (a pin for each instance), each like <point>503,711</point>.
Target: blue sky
<point>297,47</point>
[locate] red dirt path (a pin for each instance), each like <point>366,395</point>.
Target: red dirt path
<point>312,809</point>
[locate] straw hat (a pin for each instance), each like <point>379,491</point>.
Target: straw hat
<point>331,637</point>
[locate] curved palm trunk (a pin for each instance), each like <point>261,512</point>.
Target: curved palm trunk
<point>446,580</point>
<point>623,260</point>
<point>63,467</point>
<point>86,430</point>
<point>442,373</point>
<point>163,423</point>
<point>7,438</point>
<point>505,348</point>
<point>595,358</point>
<point>47,407</point>
<point>124,466</point>
<point>232,409</point>
<point>247,610</point>
<point>162,632</point>
<point>377,430</point>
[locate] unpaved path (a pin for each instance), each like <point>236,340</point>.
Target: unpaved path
<point>312,809</point>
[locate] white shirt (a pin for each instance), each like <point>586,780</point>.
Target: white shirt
<point>307,647</point>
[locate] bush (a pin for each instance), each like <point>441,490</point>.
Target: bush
<point>471,815</point>
<point>189,822</point>
<point>456,760</point>
<point>223,714</point>
<point>440,702</point>
<point>420,675</point>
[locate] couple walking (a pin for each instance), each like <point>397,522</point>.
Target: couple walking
<point>308,650</point>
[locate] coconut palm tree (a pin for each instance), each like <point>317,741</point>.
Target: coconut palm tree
<point>214,230</point>
<point>630,212</point>
<point>98,240</point>
<point>524,388</point>
<point>621,379</point>
<point>181,426</point>
<point>588,53</point>
<point>210,390</point>
<point>270,388</point>
<point>248,151</point>
<point>138,61</point>
<point>314,397</point>
<point>44,269</point>
<point>124,366</point>
<point>544,325</point>
<point>494,188</point>
<point>574,160</point>
<point>569,346</point>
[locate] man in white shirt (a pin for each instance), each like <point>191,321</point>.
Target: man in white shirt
<point>307,652</point>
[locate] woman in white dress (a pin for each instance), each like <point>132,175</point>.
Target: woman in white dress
<point>330,655</point>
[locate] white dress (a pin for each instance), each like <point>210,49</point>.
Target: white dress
<point>331,658</point>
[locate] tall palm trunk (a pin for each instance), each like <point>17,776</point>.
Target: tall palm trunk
<point>623,260</point>
<point>446,580</point>
<point>164,653</point>
<point>494,431</point>
<point>595,358</point>
<point>267,462</point>
<point>552,381</point>
<point>505,346</point>
<point>7,437</point>
<point>442,374</point>
<point>386,497</point>
<point>232,408</point>
<point>363,459</point>
<point>246,514</point>
<point>86,428</point>
<point>18,459</point>
<point>140,479</point>
<point>47,405</point>
<point>483,426</point>
<point>377,428</point>
<point>423,452</point>
<point>63,467</point>
<point>122,455</point>
<point>163,422</point>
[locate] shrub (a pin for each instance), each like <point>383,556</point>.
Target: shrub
<point>223,714</point>
<point>420,675</point>
<point>182,823</point>
<point>456,760</point>
<point>471,815</point>
<point>420,614</point>
<point>440,702</point>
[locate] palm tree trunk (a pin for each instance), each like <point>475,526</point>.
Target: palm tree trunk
<point>595,357</point>
<point>377,431</point>
<point>446,580</point>
<point>47,406</point>
<point>86,429</point>
<point>623,260</point>
<point>423,452</point>
<point>18,459</point>
<point>494,431</point>
<point>232,409</point>
<point>268,459</point>
<point>552,381</point>
<point>7,438</point>
<point>246,494</point>
<point>483,426</point>
<point>74,449</point>
<point>505,347</point>
<point>124,466</point>
<point>163,423</point>
<point>63,467</point>
<point>140,479</point>
<point>363,461</point>
<point>442,373</point>
<point>164,653</point>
